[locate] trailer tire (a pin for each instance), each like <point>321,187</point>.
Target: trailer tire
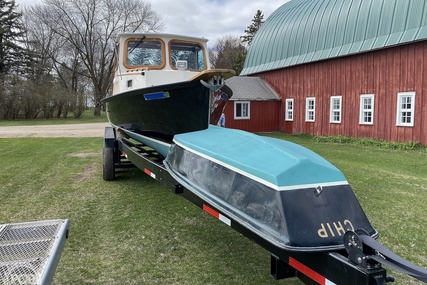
<point>108,164</point>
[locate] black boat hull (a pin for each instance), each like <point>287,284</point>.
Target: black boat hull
<point>162,111</point>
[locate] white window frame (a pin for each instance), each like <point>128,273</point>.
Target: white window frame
<point>245,113</point>
<point>310,113</point>
<point>289,112</point>
<point>365,112</point>
<point>403,110</point>
<point>335,111</point>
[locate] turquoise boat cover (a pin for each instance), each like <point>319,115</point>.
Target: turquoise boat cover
<point>276,163</point>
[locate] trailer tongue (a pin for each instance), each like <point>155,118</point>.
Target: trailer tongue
<point>334,242</point>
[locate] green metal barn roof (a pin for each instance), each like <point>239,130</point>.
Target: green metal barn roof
<point>302,31</point>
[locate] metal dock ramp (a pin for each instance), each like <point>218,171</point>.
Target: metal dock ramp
<point>30,252</point>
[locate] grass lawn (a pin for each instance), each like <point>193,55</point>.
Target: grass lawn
<point>134,231</point>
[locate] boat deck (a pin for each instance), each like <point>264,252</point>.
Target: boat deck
<point>277,163</point>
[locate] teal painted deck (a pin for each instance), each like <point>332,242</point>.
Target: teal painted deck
<point>277,162</point>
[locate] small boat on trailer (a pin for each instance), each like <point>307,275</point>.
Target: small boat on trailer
<point>283,196</point>
<point>280,190</point>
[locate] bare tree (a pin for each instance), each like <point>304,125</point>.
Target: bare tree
<point>227,53</point>
<point>79,36</point>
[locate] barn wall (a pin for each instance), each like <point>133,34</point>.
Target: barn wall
<point>383,73</point>
<point>264,117</point>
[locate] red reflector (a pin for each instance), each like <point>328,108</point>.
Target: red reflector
<point>307,271</point>
<point>148,172</point>
<point>210,211</point>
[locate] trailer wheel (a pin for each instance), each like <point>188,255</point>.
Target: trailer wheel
<point>108,163</point>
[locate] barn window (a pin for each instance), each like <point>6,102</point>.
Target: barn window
<point>366,116</point>
<point>310,109</point>
<point>335,109</point>
<point>405,109</point>
<point>242,110</point>
<point>289,116</point>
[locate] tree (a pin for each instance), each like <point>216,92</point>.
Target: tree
<point>227,53</point>
<point>79,36</point>
<point>11,30</point>
<point>253,28</point>
<point>13,59</point>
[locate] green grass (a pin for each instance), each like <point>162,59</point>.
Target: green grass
<point>86,117</point>
<point>134,231</point>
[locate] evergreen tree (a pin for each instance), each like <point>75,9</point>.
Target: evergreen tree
<point>253,28</point>
<point>11,30</point>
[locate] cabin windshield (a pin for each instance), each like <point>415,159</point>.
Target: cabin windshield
<point>192,53</point>
<point>144,53</point>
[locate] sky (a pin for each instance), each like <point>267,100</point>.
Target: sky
<point>211,19</point>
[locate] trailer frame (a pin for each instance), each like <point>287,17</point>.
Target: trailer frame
<point>333,267</point>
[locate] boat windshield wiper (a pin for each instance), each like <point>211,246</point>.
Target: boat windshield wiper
<point>137,44</point>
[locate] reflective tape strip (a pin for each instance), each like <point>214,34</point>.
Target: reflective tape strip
<point>225,220</point>
<point>146,171</point>
<point>217,215</point>
<point>309,272</point>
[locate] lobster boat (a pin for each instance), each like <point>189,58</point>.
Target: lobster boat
<point>162,86</point>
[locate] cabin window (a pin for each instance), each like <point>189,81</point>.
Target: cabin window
<point>405,109</point>
<point>310,109</point>
<point>144,52</point>
<point>242,110</point>
<point>366,116</point>
<point>192,53</point>
<point>289,116</point>
<point>335,111</point>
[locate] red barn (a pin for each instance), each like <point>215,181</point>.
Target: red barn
<point>347,67</point>
<point>254,106</point>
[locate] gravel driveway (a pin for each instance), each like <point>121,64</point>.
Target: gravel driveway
<point>54,131</point>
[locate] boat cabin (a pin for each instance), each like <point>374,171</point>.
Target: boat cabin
<point>144,60</point>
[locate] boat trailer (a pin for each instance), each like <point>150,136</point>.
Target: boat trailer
<point>359,263</point>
